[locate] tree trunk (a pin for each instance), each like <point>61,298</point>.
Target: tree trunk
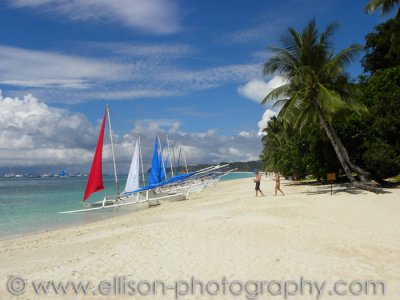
<point>341,155</point>
<point>328,132</point>
<point>364,175</point>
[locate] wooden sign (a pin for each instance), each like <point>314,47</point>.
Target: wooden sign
<point>331,176</point>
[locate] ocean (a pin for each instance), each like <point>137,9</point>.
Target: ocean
<point>32,204</point>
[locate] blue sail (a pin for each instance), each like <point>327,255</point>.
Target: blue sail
<point>160,156</point>
<point>174,179</point>
<point>63,173</point>
<point>164,169</point>
<point>155,165</point>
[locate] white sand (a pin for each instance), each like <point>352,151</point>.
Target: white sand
<point>224,231</point>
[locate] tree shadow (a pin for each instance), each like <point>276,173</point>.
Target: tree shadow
<point>343,188</point>
<point>348,188</point>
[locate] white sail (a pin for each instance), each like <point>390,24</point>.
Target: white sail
<point>132,183</point>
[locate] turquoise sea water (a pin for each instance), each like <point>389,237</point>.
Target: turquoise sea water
<point>32,204</point>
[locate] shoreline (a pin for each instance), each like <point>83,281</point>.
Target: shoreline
<point>225,231</point>
<point>337,187</point>
<point>21,230</point>
<point>61,227</point>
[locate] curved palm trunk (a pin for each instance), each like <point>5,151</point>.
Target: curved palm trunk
<point>341,153</point>
<point>364,175</point>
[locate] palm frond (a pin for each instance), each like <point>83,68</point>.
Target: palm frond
<point>373,5</point>
<point>282,62</point>
<point>304,117</point>
<point>295,37</point>
<point>325,38</point>
<point>386,6</point>
<point>313,72</point>
<point>289,110</point>
<point>278,104</point>
<point>329,101</point>
<point>276,94</point>
<point>337,63</point>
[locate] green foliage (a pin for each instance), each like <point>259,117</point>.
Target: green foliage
<point>382,159</point>
<point>365,116</point>
<point>317,85</point>
<point>297,153</point>
<point>373,139</point>
<point>314,75</point>
<point>383,47</point>
<point>385,5</point>
<point>382,95</point>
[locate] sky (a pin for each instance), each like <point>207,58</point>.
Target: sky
<point>189,69</point>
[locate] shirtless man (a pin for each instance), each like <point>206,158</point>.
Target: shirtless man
<point>278,184</point>
<point>257,180</point>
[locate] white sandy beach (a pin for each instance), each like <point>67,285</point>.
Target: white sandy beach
<point>225,231</point>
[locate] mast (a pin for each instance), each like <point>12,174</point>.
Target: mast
<point>184,160</point>
<point>112,150</point>
<point>162,159</point>
<point>141,160</point>
<point>179,159</point>
<point>173,157</point>
<point>170,159</point>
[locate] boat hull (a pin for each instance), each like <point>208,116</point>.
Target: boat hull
<point>152,200</point>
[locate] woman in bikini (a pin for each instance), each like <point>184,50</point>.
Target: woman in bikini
<point>278,184</point>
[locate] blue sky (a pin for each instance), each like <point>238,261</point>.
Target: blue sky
<point>188,68</point>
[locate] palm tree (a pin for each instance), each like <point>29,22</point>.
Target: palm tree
<point>274,140</point>
<point>316,88</point>
<point>386,6</point>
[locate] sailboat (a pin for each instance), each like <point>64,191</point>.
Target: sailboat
<point>196,182</point>
<point>95,179</point>
<point>132,194</point>
<point>157,179</point>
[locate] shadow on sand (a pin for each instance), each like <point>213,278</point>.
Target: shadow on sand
<point>320,188</point>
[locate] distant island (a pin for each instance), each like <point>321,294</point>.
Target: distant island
<point>247,166</point>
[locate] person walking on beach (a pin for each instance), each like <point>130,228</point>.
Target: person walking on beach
<point>278,183</point>
<point>257,180</point>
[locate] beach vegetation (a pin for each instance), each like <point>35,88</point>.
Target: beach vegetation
<point>319,104</point>
<point>382,47</point>
<point>317,89</point>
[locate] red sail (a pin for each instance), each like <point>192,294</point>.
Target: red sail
<point>95,180</point>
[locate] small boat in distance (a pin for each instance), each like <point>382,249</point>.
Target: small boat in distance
<point>10,175</point>
<point>63,173</point>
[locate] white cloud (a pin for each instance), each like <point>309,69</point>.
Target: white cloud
<point>257,90</point>
<point>244,133</point>
<point>30,68</point>
<point>120,75</point>
<point>247,35</point>
<point>34,134</point>
<point>263,123</point>
<point>199,147</point>
<point>152,16</point>
<point>153,51</point>
<point>123,94</point>
<point>266,28</point>
<point>214,75</point>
